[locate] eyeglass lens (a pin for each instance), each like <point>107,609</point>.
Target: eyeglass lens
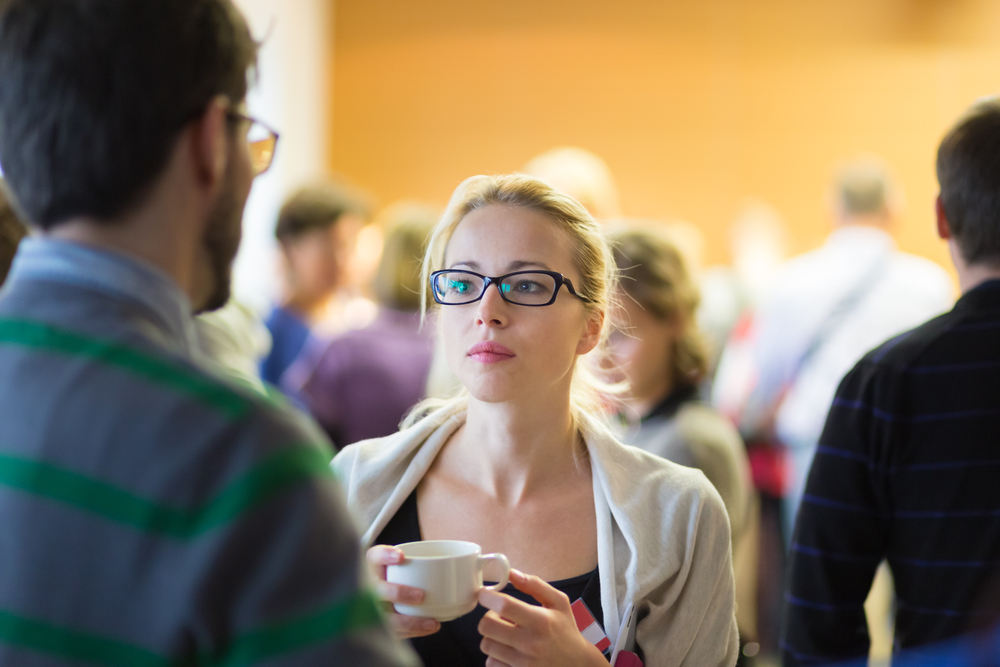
<point>529,289</point>
<point>262,143</point>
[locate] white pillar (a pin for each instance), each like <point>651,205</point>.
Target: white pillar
<point>292,95</point>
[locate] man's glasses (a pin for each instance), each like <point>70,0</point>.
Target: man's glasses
<point>261,140</point>
<point>524,288</point>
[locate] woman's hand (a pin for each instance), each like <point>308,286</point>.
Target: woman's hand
<point>517,634</point>
<point>405,627</point>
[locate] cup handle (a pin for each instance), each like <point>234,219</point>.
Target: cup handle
<point>500,558</point>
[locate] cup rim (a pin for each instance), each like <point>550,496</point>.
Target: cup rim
<point>476,550</point>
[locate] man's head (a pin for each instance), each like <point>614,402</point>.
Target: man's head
<point>316,228</point>
<point>864,193</point>
<point>95,96</point>
<point>968,171</point>
<point>11,233</point>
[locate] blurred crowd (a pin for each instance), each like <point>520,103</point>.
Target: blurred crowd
<point>807,389</point>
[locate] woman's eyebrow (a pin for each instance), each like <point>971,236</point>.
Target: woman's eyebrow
<point>521,264</point>
<point>513,266</point>
<point>469,265</point>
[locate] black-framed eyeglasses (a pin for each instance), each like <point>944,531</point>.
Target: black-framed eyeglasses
<point>453,287</point>
<point>261,140</point>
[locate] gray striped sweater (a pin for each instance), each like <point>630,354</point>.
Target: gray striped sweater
<point>152,515</point>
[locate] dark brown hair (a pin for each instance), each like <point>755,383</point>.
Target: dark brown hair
<point>93,94</point>
<point>654,274</point>
<point>968,171</point>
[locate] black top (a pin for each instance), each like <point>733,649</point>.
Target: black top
<point>906,470</point>
<point>671,403</point>
<point>457,643</point>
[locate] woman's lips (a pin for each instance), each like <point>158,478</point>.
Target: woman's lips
<point>489,352</point>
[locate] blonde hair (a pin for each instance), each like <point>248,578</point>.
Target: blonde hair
<point>655,276</point>
<point>407,226</point>
<point>591,255</point>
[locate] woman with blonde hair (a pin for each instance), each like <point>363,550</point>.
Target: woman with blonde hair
<point>520,462</point>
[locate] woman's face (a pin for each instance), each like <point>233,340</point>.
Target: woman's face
<point>640,346</point>
<point>539,344</point>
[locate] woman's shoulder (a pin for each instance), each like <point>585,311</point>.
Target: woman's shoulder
<point>649,483</point>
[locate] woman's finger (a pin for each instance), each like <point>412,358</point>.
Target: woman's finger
<point>493,662</point>
<point>493,627</point>
<point>508,608</point>
<point>412,626</point>
<point>382,555</point>
<point>547,596</point>
<point>503,654</point>
<point>398,593</point>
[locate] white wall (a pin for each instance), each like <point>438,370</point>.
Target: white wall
<point>292,96</point>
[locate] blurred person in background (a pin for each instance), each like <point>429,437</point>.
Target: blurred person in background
<point>658,350</point>
<point>11,233</point>
<point>782,364</point>
<point>906,465</point>
<point>362,383</point>
<point>152,514</point>
<point>316,231</point>
<point>829,306</point>
<point>580,174</point>
<point>758,243</point>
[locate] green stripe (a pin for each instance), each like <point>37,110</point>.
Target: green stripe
<point>343,618</point>
<point>38,636</point>
<point>157,369</point>
<point>281,471</point>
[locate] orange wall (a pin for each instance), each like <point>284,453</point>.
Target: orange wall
<point>694,104</point>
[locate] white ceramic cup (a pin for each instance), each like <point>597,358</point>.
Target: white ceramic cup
<point>449,572</point>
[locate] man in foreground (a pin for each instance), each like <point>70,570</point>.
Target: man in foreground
<point>151,513</point>
<point>906,466</point>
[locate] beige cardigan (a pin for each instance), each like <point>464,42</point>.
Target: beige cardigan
<point>662,530</point>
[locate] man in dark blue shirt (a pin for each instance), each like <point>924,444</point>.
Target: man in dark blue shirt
<point>906,469</point>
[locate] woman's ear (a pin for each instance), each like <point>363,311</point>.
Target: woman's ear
<point>592,333</point>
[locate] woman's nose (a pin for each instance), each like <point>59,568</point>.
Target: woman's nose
<point>492,310</point>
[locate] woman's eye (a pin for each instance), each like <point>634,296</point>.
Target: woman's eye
<point>460,286</point>
<point>526,286</point>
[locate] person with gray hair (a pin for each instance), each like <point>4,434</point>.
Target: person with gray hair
<point>779,371</point>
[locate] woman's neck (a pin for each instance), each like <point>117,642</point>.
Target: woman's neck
<point>636,406</point>
<point>517,450</point>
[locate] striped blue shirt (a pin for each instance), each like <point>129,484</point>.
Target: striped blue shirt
<point>907,471</point>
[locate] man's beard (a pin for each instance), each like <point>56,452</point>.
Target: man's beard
<point>220,243</point>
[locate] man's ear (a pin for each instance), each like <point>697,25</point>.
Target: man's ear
<point>208,139</point>
<point>592,334</point>
<point>943,228</point>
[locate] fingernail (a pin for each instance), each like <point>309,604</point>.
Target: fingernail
<point>517,573</point>
<point>428,624</point>
<point>414,595</point>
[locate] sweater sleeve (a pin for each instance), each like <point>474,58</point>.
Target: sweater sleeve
<point>688,620</point>
<point>840,533</point>
<point>285,584</point>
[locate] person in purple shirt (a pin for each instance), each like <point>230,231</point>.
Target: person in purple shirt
<point>362,383</point>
